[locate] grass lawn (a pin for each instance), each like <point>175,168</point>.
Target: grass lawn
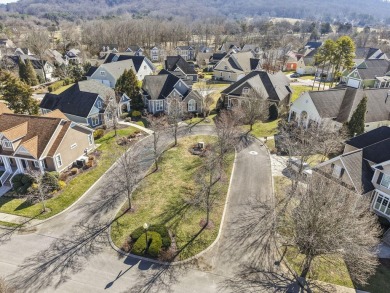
<point>61,89</point>
<point>379,282</point>
<point>9,224</point>
<point>261,129</point>
<point>298,90</point>
<point>307,77</point>
<point>163,198</point>
<point>73,190</point>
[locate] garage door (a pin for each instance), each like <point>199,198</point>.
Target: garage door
<point>353,83</point>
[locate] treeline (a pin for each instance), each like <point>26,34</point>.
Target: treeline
<point>363,12</point>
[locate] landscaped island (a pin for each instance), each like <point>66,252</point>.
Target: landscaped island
<point>168,200</point>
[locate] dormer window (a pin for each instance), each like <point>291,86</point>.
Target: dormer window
<point>385,181</point>
<point>102,73</point>
<point>7,144</point>
<point>115,58</point>
<point>245,90</point>
<point>179,83</point>
<point>99,104</point>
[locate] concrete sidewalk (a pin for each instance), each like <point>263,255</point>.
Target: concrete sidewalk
<point>18,219</point>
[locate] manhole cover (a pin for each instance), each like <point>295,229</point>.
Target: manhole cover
<point>253,153</point>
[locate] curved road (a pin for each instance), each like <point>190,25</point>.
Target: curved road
<point>70,253</point>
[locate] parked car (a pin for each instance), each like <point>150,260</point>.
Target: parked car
<point>295,75</point>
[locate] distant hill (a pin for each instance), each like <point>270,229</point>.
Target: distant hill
<point>349,10</point>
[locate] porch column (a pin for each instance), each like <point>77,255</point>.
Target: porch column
<point>41,167</point>
<point>19,165</point>
<point>289,115</point>
<point>7,164</point>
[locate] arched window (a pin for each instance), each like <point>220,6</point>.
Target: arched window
<point>191,105</point>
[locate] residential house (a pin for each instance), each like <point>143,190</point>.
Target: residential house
<point>187,52</point>
<point>115,64</point>
<point>364,168</point>
<point>156,54</point>
<point>136,50</point>
<point>228,46</point>
<point>44,69</point>
<point>7,47</point>
<point>159,90</point>
<point>368,53</point>
<point>40,143</point>
<point>204,49</point>
<point>272,87</point>
<point>181,68</point>
<point>56,57</point>
<point>215,59</point>
<point>107,49</point>
<point>255,49</point>
<point>4,109</point>
<point>73,56</point>
<point>23,51</point>
<point>369,74</point>
<point>294,61</point>
<point>85,102</point>
<point>336,107</point>
<point>306,64</point>
<point>233,67</point>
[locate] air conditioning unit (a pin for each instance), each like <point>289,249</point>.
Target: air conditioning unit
<point>201,145</point>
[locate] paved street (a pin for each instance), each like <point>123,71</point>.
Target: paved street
<point>70,253</point>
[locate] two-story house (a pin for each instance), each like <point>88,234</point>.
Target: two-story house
<point>136,50</point>
<point>85,103</point>
<point>159,90</point>
<point>364,168</point>
<point>45,143</point>
<point>336,107</point>
<point>43,68</point>
<point>115,64</point>
<point>187,52</point>
<point>181,68</point>
<point>368,53</point>
<point>156,54</point>
<point>235,66</point>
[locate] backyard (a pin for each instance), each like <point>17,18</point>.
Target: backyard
<point>170,203</point>
<point>73,190</point>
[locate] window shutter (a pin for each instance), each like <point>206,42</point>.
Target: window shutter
<point>379,178</point>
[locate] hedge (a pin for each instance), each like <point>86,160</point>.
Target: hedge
<point>160,229</point>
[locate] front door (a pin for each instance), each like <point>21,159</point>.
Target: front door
<point>24,164</point>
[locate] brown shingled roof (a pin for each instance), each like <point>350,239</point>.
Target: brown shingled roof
<point>56,114</point>
<point>58,140</point>
<point>32,146</point>
<point>4,109</point>
<point>16,132</point>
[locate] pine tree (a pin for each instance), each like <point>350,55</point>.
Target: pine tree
<point>22,70</point>
<point>31,76</point>
<point>127,84</point>
<point>356,124</point>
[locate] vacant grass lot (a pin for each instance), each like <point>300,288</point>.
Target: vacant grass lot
<point>261,129</point>
<point>75,188</point>
<point>164,197</point>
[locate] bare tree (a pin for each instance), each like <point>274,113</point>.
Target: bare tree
<point>205,90</point>
<point>254,107</point>
<point>43,184</point>
<point>207,177</point>
<point>39,41</point>
<point>174,115</point>
<point>327,220</point>
<point>112,106</point>
<point>227,133</point>
<point>157,125</point>
<point>126,172</point>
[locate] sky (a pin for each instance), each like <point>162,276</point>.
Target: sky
<point>7,1</point>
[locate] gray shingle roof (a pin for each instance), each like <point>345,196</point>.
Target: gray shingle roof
<point>370,138</point>
<point>172,62</point>
<point>364,52</point>
<point>370,69</point>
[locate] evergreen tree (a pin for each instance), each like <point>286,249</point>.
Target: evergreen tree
<point>17,94</point>
<point>31,76</point>
<point>127,84</point>
<point>22,70</point>
<point>356,124</point>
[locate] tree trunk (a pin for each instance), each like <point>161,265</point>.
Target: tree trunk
<point>306,267</point>
<point>129,198</point>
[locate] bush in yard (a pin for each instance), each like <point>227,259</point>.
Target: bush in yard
<point>124,115</point>
<point>55,174</point>
<point>50,181</point>
<point>160,229</point>
<point>98,133</point>
<point>128,119</point>
<point>74,171</point>
<point>61,184</point>
<point>136,114</point>
<point>22,182</point>
<point>154,244</point>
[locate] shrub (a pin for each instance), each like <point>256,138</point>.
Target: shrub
<point>91,158</point>
<point>136,114</point>
<point>55,174</point>
<point>154,244</point>
<point>98,133</point>
<point>21,183</point>
<point>128,119</point>
<point>50,181</point>
<point>124,115</point>
<point>64,176</point>
<point>273,112</point>
<point>74,171</point>
<point>160,229</point>
<point>89,164</point>
<point>50,89</point>
<point>61,184</point>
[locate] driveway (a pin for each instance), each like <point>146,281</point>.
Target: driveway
<point>70,253</point>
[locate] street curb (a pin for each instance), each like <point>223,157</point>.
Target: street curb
<point>181,262</point>
<point>82,196</point>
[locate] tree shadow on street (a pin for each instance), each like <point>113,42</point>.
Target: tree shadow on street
<point>21,227</point>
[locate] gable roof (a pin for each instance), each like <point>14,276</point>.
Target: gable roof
<point>136,60</point>
<point>340,104</point>
<point>364,52</point>
<point>56,114</point>
<point>159,86</point>
<point>313,45</point>
<point>116,69</point>
<point>133,48</point>
<point>275,85</point>
<point>4,109</point>
<point>241,62</point>
<point>370,69</point>
<point>39,130</point>
<point>370,137</point>
<point>173,62</point>
<point>79,99</point>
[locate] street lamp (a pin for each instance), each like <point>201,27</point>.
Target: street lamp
<point>146,226</point>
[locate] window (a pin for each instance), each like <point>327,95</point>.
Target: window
<point>179,83</point>
<point>90,139</point>
<point>144,67</point>
<point>154,57</point>
<point>225,67</point>
<point>159,105</point>
<point>382,204</point>
<point>58,160</point>
<point>73,146</point>
<point>245,90</point>
<point>386,181</point>
<point>102,73</point>
<point>191,106</point>
<point>114,59</point>
<point>36,164</point>
<point>95,120</point>
<point>7,144</point>
<point>99,104</point>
